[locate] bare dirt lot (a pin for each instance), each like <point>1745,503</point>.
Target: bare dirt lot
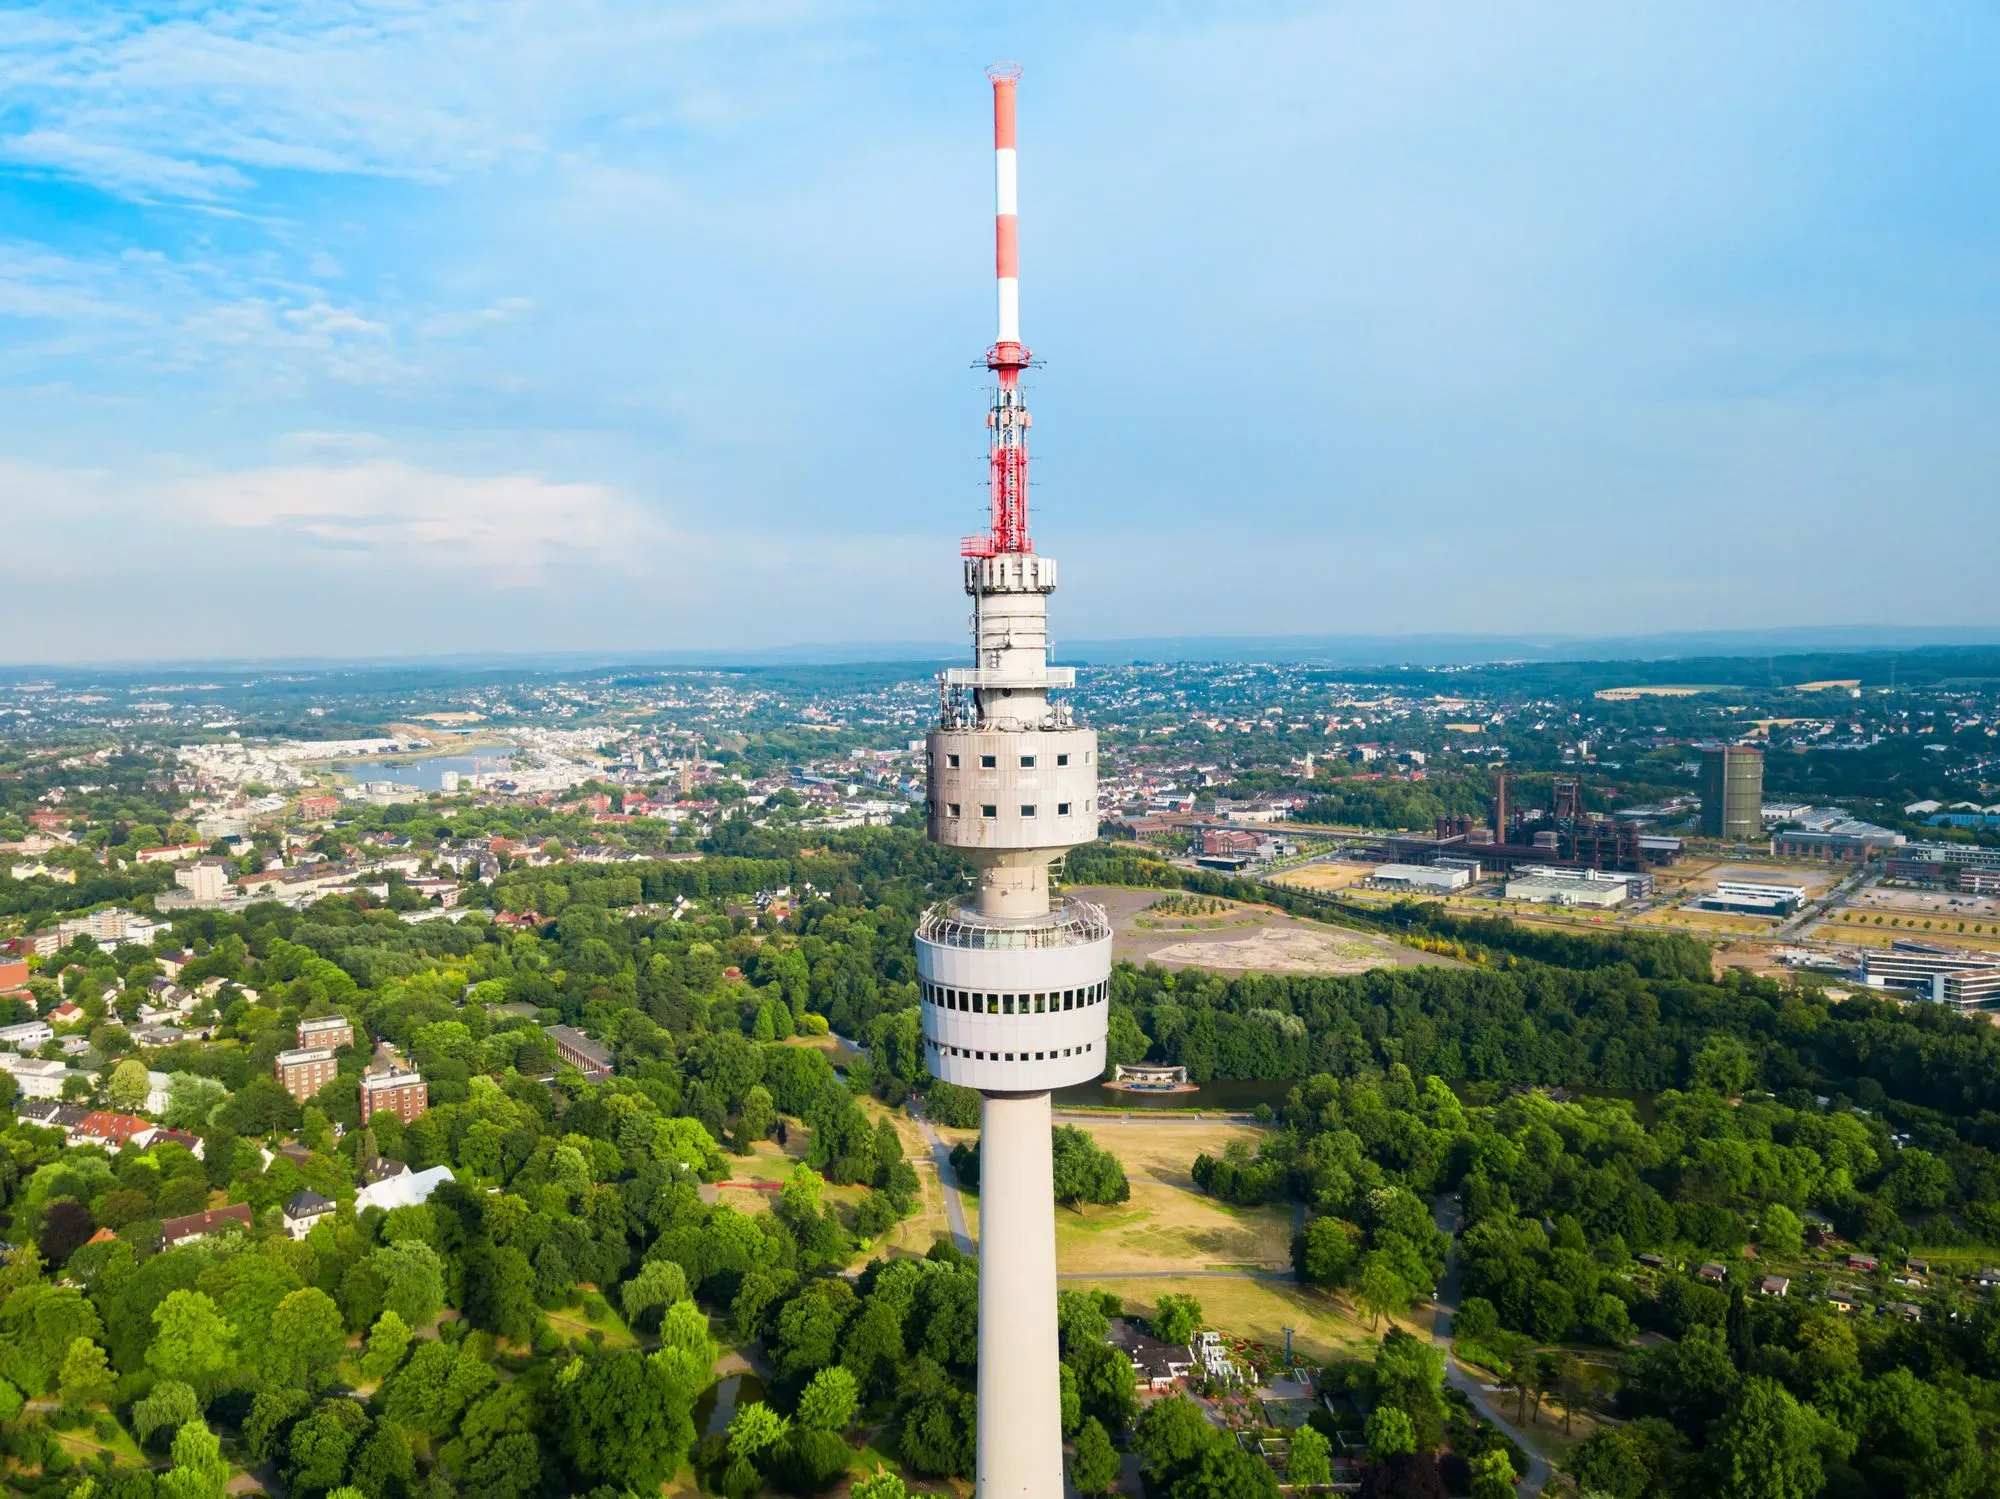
<point>1242,939</point>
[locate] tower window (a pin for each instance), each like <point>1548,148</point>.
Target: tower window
<point>1027,809</point>
<point>930,809</point>
<point>1027,762</point>
<point>1062,759</point>
<point>954,809</point>
<point>952,761</point>
<point>989,810</point>
<point>1062,809</point>
<point>987,762</point>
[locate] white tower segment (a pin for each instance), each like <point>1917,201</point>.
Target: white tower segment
<point>1015,978</point>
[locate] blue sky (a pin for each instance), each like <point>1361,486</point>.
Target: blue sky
<point>385,328</point>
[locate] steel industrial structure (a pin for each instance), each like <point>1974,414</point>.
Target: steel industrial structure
<point>1015,980</point>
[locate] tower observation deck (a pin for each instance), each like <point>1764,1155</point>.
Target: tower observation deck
<point>1015,978</point>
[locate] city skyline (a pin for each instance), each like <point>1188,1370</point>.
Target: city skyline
<point>442,331</point>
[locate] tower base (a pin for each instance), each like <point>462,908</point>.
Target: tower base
<point>1020,1398</point>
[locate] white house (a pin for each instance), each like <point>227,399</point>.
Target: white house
<point>406,1190</point>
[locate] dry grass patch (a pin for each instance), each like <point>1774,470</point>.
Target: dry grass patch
<point>1169,1223</point>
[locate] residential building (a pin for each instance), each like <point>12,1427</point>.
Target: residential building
<point>582,1053</point>
<point>232,1219</point>
<point>204,879</point>
<point>38,1079</point>
<point>303,1211</point>
<point>305,1071</point>
<point>48,1113</point>
<point>318,808</point>
<point>29,1035</point>
<point>111,1130</point>
<point>1155,1365</point>
<point>395,1089</point>
<point>329,1031</point>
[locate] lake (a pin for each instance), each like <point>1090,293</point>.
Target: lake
<point>426,772</point>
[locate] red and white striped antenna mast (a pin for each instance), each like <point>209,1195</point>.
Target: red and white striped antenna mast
<point>1008,420</point>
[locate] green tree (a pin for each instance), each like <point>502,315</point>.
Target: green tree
<point>1094,1468</point>
<point>1389,1433</point>
<point>829,1400</point>
<point>1768,1446</point>
<point>1381,1290</point>
<point>320,1446</point>
<point>1084,1173</point>
<point>199,1470</point>
<point>755,1429</point>
<point>38,1322</point>
<point>1106,1385</point>
<point>412,1280</point>
<point>1492,1474</point>
<point>387,1344</point>
<point>192,1341</point>
<point>756,1119</point>
<point>1171,1434</point>
<point>307,1339</point>
<point>1177,1318</point>
<point>1226,1471</point>
<point>627,1419</point>
<point>128,1086</point>
<point>1324,1254</point>
<point>1310,1459</point>
<point>86,1376</point>
<point>1780,1234</point>
<point>657,1286</point>
<point>169,1407</point>
<point>881,1484</point>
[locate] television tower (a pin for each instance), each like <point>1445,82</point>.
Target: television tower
<point>1015,979</point>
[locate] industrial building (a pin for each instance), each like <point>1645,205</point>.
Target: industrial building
<point>1437,879</point>
<point>1753,898</point>
<point>1732,791</point>
<point>1015,977</point>
<point>1835,838</point>
<point>1566,887</point>
<point>1951,976</point>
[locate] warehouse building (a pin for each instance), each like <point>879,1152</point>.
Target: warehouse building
<point>1584,887</point>
<point>1422,878</point>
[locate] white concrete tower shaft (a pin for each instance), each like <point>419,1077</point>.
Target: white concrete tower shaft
<point>1015,978</point>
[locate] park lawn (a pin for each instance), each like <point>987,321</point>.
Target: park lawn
<point>577,1323</point>
<point>122,1447</point>
<point>1256,1310</point>
<point>1169,1223</point>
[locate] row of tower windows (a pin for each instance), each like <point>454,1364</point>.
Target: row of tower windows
<point>991,809</point>
<point>1010,1056</point>
<point>992,762</point>
<point>1052,1002</point>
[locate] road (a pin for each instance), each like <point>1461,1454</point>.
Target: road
<point>1445,1213</point>
<point>954,1204</point>
<point>1813,910</point>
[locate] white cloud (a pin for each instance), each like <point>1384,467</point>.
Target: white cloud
<point>515,528</point>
